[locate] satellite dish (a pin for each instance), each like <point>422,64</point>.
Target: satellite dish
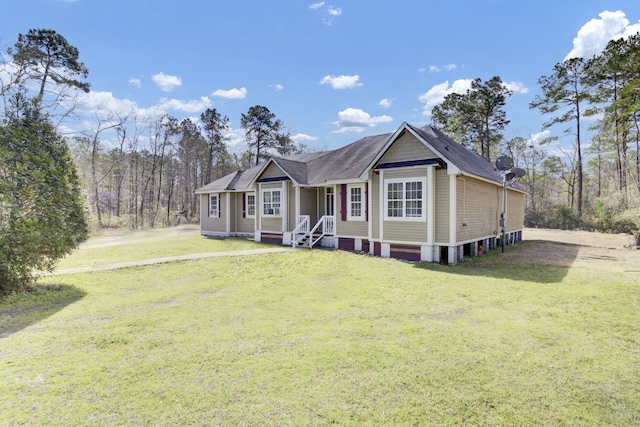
<point>519,173</point>
<point>504,162</point>
<point>510,176</point>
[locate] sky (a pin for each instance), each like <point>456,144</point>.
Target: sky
<point>332,71</point>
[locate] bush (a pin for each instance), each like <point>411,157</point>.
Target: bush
<point>564,218</point>
<point>42,215</point>
<point>608,219</point>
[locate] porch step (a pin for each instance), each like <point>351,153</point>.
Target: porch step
<point>303,241</point>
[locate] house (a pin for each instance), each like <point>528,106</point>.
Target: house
<point>414,194</point>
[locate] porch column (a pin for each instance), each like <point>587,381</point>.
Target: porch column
<point>453,219</point>
<point>284,206</point>
<point>227,212</point>
<point>297,202</point>
<point>381,212</point>
<point>431,187</point>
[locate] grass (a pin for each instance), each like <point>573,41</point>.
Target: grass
<point>324,337</point>
<point>157,243</point>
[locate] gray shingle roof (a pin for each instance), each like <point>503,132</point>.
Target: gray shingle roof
<point>351,161</point>
<point>465,160</point>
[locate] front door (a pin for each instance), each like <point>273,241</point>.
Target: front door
<point>329,202</point>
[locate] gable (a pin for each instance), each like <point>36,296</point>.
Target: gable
<point>406,148</point>
<point>272,173</point>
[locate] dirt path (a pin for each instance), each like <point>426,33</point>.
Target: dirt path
<point>166,259</point>
<point>115,237</point>
<point>608,252</point>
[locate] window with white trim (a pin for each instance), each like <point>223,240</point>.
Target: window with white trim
<point>214,205</point>
<point>405,199</point>
<point>251,205</point>
<point>270,202</point>
<point>355,202</point>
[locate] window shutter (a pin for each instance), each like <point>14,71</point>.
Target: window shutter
<point>343,202</point>
<point>219,213</point>
<point>366,201</point>
<point>244,205</point>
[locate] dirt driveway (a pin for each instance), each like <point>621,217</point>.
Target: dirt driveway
<point>609,252</point>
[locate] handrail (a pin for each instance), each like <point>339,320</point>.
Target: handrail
<point>301,228</point>
<point>303,225</point>
<point>328,224</point>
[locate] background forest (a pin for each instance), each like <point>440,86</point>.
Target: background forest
<point>140,172</point>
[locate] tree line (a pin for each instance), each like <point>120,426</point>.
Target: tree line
<point>147,178</point>
<point>135,172</point>
<point>594,182</point>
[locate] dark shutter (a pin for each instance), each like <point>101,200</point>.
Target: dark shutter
<point>343,201</point>
<point>219,213</point>
<point>244,205</point>
<point>366,201</point>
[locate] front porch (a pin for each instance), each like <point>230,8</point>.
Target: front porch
<point>306,236</point>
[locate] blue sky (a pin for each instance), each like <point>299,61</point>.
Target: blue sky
<point>332,71</point>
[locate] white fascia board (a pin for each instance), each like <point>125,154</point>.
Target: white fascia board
<point>497,184</point>
<point>360,180</point>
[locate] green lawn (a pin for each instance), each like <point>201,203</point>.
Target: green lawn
<point>324,337</point>
<point>157,243</point>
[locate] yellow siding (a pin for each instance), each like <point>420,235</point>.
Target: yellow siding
<point>232,211</point>
<point>406,148</point>
<point>308,202</point>
<point>477,208</point>
<point>272,224</point>
<point>348,228</point>
<point>406,231</point>
<point>374,215</point>
<point>291,206</point>
<point>273,171</point>
<point>515,210</point>
<point>442,206</point>
<point>245,225</point>
<point>217,225</point>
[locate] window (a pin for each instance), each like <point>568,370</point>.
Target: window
<point>214,205</point>
<point>355,202</point>
<point>270,202</point>
<point>405,199</point>
<point>251,205</point>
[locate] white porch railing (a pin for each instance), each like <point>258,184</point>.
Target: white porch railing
<point>302,229</point>
<point>302,236</point>
<point>324,227</point>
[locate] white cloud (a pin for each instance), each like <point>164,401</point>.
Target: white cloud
<point>593,37</point>
<point>303,137</point>
<point>328,12</point>
<point>278,87</point>
<point>357,120</point>
<point>93,102</point>
<point>192,106</point>
<point>516,87</point>
<point>165,82</point>
<point>231,93</point>
<point>341,82</point>
<point>437,93</point>
<point>99,105</point>
<point>385,103</point>
<point>136,82</point>
<point>236,139</point>
<point>537,137</point>
<point>437,69</point>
